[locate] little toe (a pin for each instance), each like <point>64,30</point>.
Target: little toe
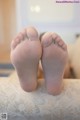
<point>13,44</point>
<point>16,41</point>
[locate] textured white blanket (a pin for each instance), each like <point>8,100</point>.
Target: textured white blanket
<point>39,105</point>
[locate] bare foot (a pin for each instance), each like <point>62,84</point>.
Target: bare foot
<point>25,55</point>
<point>54,59</point>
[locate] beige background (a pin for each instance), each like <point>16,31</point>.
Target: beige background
<point>7,27</point>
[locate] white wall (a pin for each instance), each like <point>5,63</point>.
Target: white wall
<point>50,16</point>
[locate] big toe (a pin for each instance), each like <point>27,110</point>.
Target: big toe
<point>46,39</point>
<point>32,33</point>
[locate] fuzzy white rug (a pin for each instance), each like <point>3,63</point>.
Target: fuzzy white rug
<point>39,105</point>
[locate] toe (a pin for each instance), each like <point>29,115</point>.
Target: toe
<point>64,46</point>
<point>58,41</point>
<point>54,36</point>
<point>46,39</point>
<point>24,33</point>
<point>21,36</point>
<point>32,33</point>
<point>14,43</point>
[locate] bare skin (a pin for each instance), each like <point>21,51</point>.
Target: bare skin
<point>54,59</point>
<point>27,50</point>
<point>25,55</point>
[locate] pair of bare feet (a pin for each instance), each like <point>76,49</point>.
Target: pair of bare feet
<point>26,52</point>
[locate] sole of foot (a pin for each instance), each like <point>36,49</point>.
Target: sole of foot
<point>54,59</point>
<point>25,55</point>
